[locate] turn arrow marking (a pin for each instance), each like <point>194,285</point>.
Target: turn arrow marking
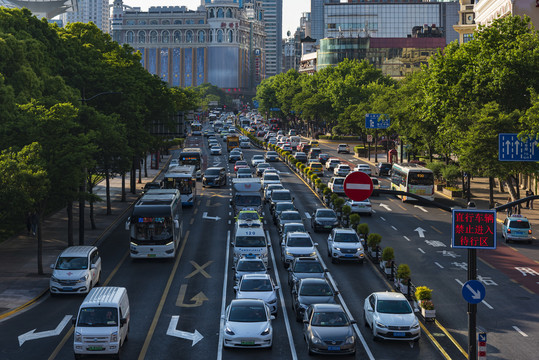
<point>421,208</point>
<point>198,298</point>
<point>386,207</point>
<point>195,337</point>
<point>32,335</point>
<point>475,294</point>
<point>205,216</point>
<point>421,232</point>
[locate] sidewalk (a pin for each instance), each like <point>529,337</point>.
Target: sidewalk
<point>20,284</point>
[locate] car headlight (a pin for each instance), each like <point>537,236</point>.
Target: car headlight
<point>317,222</point>
<point>360,249</point>
<point>289,253</point>
<point>228,331</point>
<point>380,325</point>
<point>313,254</point>
<point>266,332</point>
<point>83,279</point>
<point>114,337</point>
<point>337,248</point>
<point>316,340</point>
<point>415,325</point>
<point>54,279</point>
<point>78,337</point>
<point>273,301</point>
<point>336,222</point>
<point>350,340</point>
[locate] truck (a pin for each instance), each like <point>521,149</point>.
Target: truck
<point>232,141</point>
<point>246,195</point>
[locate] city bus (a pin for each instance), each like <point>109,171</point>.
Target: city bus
<point>155,225</point>
<point>192,156</point>
<point>183,178</point>
<point>196,129</point>
<point>412,178</point>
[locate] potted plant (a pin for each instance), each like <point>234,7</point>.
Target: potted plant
<point>388,255</point>
<point>424,296</point>
<point>403,278</point>
<point>354,220</point>
<point>374,240</point>
<point>346,211</point>
<point>363,231</point>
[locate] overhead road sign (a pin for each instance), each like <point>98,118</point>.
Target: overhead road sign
<point>474,229</point>
<point>473,291</point>
<point>358,186</point>
<point>510,148</point>
<point>255,104</point>
<point>275,109</point>
<point>377,121</point>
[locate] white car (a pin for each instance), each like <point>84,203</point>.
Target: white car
<point>245,145</point>
<point>286,147</point>
<point>297,244</point>
<point>360,207</point>
<point>345,244</point>
<point>270,178</point>
<point>257,159</point>
<point>268,189</point>
<point>332,163</point>
<point>216,150</point>
<point>336,184</point>
<point>258,286</point>
<point>244,173</point>
<point>249,264</point>
<point>247,324</point>
<point>341,170</point>
<point>391,317</point>
<point>76,270</point>
<point>363,168</point>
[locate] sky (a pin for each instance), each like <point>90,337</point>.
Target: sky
<point>292,9</point>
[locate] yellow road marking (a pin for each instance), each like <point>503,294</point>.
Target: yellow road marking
<point>418,218</point>
<point>528,290</point>
<point>486,263</point>
<point>438,231</point>
<point>144,349</point>
<point>199,269</point>
<point>402,207</point>
<point>198,298</point>
<point>464,352</point>
<point>192,221</point>
<point>195,212</point>
<point>433,340</point>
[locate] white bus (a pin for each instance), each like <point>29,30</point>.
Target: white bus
<point>183,178</point>
<point>414,179</point>
<point>155,226</point>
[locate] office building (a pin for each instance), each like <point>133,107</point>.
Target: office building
<point>273,23</point>
<point>44,8</point>
<point>96,11</point>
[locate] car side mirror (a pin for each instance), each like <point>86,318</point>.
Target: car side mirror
<point>337,292</point>
<point>52,266</point>
<point>123,321</point>
<point>177,224</point>
<point>93,266</point>
<point>272,317</point>
<point>353,322</point>
<point>236,288</point>
<point>128,223</point>
<point>315,244</point>
<point>74,320</point>
<point>305,321</point>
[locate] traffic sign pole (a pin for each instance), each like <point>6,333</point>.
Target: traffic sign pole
<point>472,308</point>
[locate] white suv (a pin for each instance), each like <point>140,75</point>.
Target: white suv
<point>76,271</point>
<point>363,168</point>
<point>336,184</point>
<point>344,244</point>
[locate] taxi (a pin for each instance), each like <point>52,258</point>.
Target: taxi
<point>249,215</point>
<point>314,143</point>
<point>516,228</point>
<point>316,168</point>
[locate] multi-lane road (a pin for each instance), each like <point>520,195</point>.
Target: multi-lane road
<point>177,305</point>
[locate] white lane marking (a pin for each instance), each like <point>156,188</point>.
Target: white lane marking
<point>32,335</point>
<point>394,228</point>
<point>356,329</point>
<point>520,331</point>
<point>229,213</point>
<point>440,266</point>
<point>307,215</point>
<point>172,331</point>
<point>421,208</point>
<point>406,237</point>
<point>421,250</point>
<point>420,231</point>
<point>383,219</point>
<point>386,207</point>
<point>229,222</point>
<point>283,305</point>
<point>484,302</point>
<point>223,302</point>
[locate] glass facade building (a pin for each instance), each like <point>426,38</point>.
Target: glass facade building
<point>273,21</point>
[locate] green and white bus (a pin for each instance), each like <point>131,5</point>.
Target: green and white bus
<point>412,178</point>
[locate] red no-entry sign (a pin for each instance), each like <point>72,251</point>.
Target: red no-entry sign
<point>358,186</point>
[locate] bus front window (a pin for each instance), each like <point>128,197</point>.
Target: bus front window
<point>425,179</point>
<point>186,186</point>
<point>158,228</point>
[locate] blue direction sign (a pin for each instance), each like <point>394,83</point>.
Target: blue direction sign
<point>377,121</point>
<point>255,104</point>
<point>275,109</point>
<point>482,337</point>
<point>473,291</point>
<point>510,148</point>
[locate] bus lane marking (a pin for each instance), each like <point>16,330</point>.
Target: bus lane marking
<point>197,300</point>
<point>199,269</point>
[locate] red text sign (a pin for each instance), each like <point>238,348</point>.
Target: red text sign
<point>474,229</point>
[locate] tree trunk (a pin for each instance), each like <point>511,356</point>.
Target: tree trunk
<point>107,190</point>
<point>39,246</point>
<point>133,176</point>
<point>123,188</point>
<point>146,165</point>
<point>502,190</point>
<point>491,192</point>
<point>69,210</point>
<point>140,171</point>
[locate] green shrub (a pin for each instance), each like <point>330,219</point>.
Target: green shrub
<point>326,191</point>
<point>338,203</point>
<point>404,272</point>
<point>373,240</point>
<point>450,173</point>
<point>363,229</point>
<point>346,210</point>
<point>388,254</point>
<point>436,168</point>
<point>333,197</point>
<point>354,220</point>
<point>423,293</point>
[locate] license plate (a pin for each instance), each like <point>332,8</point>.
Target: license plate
<point>247,342</point>
<point>328,226</point>
<point>67,288</point>
<point>151,255</point>
<point>399,334</point>
<point>348,255</point>
<point>334,348</point>
<point>95,348</point>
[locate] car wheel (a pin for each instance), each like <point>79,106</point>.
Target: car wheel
<point>309,351</point>
<point>78,356</point>
<point>333,260</point>
<point>365,322</point>
<point>298,316</point>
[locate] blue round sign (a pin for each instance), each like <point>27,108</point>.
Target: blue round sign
<point>473,291</point>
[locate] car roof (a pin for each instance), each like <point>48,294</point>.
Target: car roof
<point>247,302</point>
<point>215,168</point>
<point>256,276</point>
<point>280,191</point>
<point>313,280</point>
<point>517,217</point>
<point>77,251</point>
<point>345,230</point>
<point>386,295</point>
<point>328,307</point>
<point>297,234</point>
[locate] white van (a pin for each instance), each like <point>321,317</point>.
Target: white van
<point>294,141</point>
<point>76,270</point>
<point>102,323</point>
<point>250,239</point>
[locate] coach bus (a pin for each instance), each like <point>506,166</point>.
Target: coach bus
<point>183,178</point>
<point>414,179</point>
<point>196,128</point>
<point>192,156</point>
<point>155,225</point>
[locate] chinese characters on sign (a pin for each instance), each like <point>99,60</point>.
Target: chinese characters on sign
<point>474,229</point>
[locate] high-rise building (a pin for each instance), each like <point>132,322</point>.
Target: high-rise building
<point>43,9</point>
<point>317,19</point>
<point>273,22</point>
<point>96,11</point>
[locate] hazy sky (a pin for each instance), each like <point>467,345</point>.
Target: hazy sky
<point>292,9</point>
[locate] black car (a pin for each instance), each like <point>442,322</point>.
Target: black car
<point>305,267</point>
<point>311,291</point>
<point>151,185</point>
<point>382,169</point>
<point>235,156</point>
<point>214,176</point>
<point>324,219</point>
<point>301,157</point>
<point>322,158</point>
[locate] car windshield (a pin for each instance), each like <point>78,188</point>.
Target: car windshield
<point>329,319</point>
<point>300,242</point>
<point>212,172</point>
<point>271,177</point>
<point>248,215</point>
<point>271,153</point>
<point>263,166</point>
<point>244,171</point>
<point>519,224</point>
<point>393,307</point>
<point>293,227</point>
<point>258,157</point>
<point>316,289</point>
<point>283,207</point>
<point>72,263</point>
<point>339,181</point>
<point>241,163</point>
<point>242,313</point>
<point>326,214</point>
<point>256,285</point>
<point>346,237</point>
<point>98,317</point>
<point>308,267</point>
<point>250,241</point>
<point>251,265</point>
<point>290,216</point>
<point>247,200</point>
<point>281,195</point>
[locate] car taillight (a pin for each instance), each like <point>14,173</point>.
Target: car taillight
<point>530,231</point>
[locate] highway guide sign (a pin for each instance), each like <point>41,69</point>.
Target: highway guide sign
<point>510,148</point>
<point>473,291</point>
<point>358,186</point>
<point>474,229</point>
<point>377,121</point>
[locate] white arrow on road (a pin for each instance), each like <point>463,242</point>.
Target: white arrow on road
<point>32,335</point>
<point>421,232</point>
<point>386,207</point>
<point>195,337</point>
<point>421,208</point>
<point>475,294</point>
<point>205,216</point>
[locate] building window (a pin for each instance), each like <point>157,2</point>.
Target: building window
<point>189,21</point>
<point>201,21</point>
<point>177,22</point>
<point>219,36</point>
<point>189,36</point>
<point>130,22</point>
<point>141,37</point>
<point>154,22</point>
<point>230,36</point>
<point>165,36</point>
<point>201,36</point>
<point>212,14</point>
<point>130,37</point>
<point>466,38</point>
<point>210,35</point>
<point>229,13</point>
<point>153,37</point>
<point>142,22</point>
<point>165,22</point>
<point>220,13</point>
<point>177,37</point>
